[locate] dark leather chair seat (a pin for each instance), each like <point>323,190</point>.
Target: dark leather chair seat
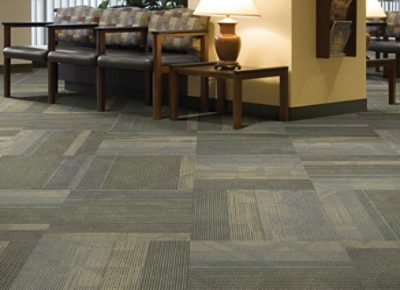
<point>76,55</point>
<point>33,53</point>
<point>385,46</point>
<point>131,60</point>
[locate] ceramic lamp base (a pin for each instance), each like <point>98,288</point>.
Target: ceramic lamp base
<point>227,45</point>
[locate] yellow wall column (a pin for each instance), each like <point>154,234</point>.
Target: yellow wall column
<point>15,10</point>
<point>285,34</point>
<point>317,81</point>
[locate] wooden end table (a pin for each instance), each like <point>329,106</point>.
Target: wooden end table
<point>390,66</point>
<point>207,70</point>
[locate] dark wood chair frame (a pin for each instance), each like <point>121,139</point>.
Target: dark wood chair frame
<point>52,44</point>
<point>101,72</point>
<point>159,69</point>
<point>7,43</point>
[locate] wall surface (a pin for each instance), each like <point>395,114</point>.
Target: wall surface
<point>285,34</point>
<point>320,81</point>
<point>15,10</point>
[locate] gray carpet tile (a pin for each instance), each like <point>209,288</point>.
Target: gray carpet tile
<point>166,265</point>
<point>227,278</point>
<point>352,216</point>
<point>124,213</point>
<point>65,264</point>
<point>388,205</point>
<point>254,184</point>
<point>64,175</point>
<point>116,200</point>
<point>12,260</point>
<point>245,143</point>
<point>126,145</point>
<point>379,268</point>
<point>210,215</point>
<point>27,172</point>
<point>143,173</point>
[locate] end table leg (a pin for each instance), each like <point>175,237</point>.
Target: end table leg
<point>52,82</point>
<point>284,98</point>
<point>237,104</point>
<point>204,95</point>
<point>157,95</point>
<point>221,95</point>
<point>101,97</point>
<point>392,85</point>
<point>7,77</point>
<point>173,95</point>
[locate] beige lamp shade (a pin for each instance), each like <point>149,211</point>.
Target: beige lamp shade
<point>375,10</point>
<point>227,7</point>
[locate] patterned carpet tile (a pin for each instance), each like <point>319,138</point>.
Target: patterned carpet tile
<point>141,212</point>
<point>343,146</point>
<point>27,172</point>
<point>139,122</point>
<point>379,268</point>
<point>126,145</point>
<point>331,130</point>
<point>249,167</point>
<point>260,215</point>
<point>267,254</point>
<point>358,183</point>
<point>25,142</point>
<point>388,205</point>
<point>253,184</point>
<point>12,259</point>
<point>116,200</point>
<point>270,265</point>
<point>67,174</point>
<point>101,262</point>
<point>243,143</point>
<point>354,216</point>
<point>72,121</point>
<point>227,278</point>
<point>139,173</point>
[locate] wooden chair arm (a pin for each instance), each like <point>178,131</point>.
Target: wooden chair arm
<point>26,24</point>
<point>102,30</point>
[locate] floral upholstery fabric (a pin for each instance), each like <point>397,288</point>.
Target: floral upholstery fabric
<point>393,24</point>
<point>77,15</point>
<point>124,17</point>
<point>176,19</point>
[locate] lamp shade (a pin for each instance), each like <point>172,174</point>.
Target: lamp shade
<point>227,7</point>
<point>375,10</point>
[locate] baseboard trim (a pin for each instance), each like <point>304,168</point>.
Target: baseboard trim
<point>324,110</point>
<point>19,68</point>
<point>298,113</point>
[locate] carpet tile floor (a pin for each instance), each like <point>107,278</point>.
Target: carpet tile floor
<point>116,200</point>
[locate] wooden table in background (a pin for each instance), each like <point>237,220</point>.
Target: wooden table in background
<point>390,66</point>
<point>207,70</point>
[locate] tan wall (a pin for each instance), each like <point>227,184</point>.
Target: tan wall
<point>15,10</point>
<point>286,35</point>
<point>321,81</point>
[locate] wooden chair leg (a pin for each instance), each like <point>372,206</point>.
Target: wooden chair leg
<point>204,95</point>
<point>52,82</point>
<point>100,84</point>
<point>7,77</point>
<point>148,88</point>
<point>157,95</point>
<point>56,79</point>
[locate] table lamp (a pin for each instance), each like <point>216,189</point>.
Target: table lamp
<point>227,43</point>
<point>375,10</point>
